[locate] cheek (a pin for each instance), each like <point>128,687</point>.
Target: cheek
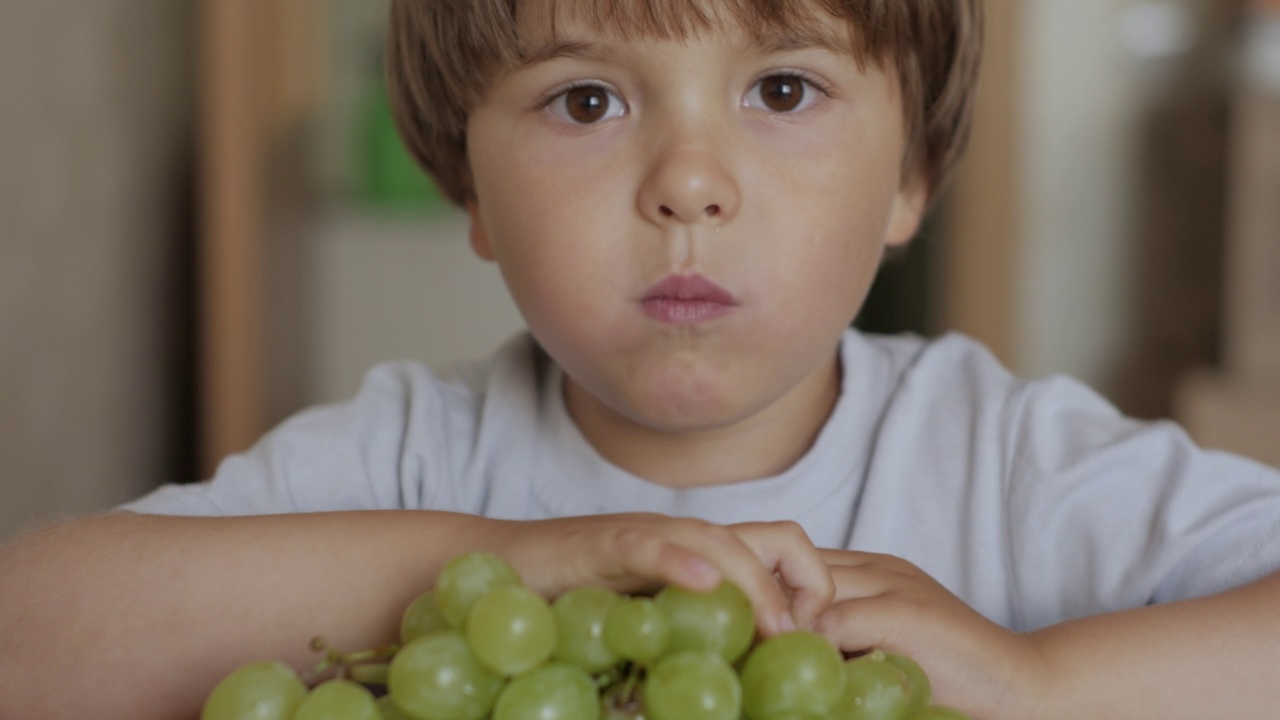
<point>821,274</point>
<point>548,226</point>
<point>567,192</point>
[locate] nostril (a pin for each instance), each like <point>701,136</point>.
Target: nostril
<point>713,210</point>
<point>666,211</point>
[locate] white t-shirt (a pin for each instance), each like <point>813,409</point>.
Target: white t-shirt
<point>1035,502</point>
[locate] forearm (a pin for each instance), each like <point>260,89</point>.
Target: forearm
<point>133,616</point>
<point>1213,657</point>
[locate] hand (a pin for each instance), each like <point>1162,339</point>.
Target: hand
<point>885,602</point>
<point>775,564</point>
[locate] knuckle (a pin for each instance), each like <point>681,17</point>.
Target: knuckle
<point>722,535</point>
<point>906,604</point>
<point>693,525</point>
<point>718,537</point>
<point>824,593</point>
<point>630,541</point>
<point>793,531</point>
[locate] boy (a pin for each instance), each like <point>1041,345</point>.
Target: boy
<point>688,201</point>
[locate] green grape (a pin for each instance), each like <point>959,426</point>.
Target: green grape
<point>580,615</point>
<point>919,689</point>
<point>873,690</point>
<point>692,685</point>
<point>796,672</point>
<point>421,617</point>
<point>511,630</point>
<point>635,629</point>
<point>721,620</point>
<point>258,691</point>
<point>338,700</point>
<point>468,578</point>
<point>390,710</point>
<point>939,712</point>
<point>437,678</point>
<point>556,691</point>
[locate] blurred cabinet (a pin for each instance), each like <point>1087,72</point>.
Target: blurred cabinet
<point>1237,406</point>
<point>303,286</point>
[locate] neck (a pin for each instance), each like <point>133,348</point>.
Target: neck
<point>763,445</point>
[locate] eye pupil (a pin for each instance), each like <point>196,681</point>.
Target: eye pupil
<point>782,93</point>
<point>587,104</point>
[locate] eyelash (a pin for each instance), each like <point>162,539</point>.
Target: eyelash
<point>545,101</point>
<point>808,78</point>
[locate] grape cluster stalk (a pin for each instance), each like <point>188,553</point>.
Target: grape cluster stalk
<point>482,646</point>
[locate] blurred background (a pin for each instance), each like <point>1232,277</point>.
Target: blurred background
<point>207,223</point>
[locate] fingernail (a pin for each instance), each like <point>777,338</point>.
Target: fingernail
<point>786,623</point>
<point>701,568</point>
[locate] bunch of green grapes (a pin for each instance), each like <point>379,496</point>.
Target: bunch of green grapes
<point>481,646</point>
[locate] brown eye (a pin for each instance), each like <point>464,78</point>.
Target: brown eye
<point>782,93</point>
<point>587,105</point>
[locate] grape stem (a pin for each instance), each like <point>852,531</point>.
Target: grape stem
<point>631,687</point>
<point>623,699</point>
<point>369,673</point>
<point>363,666</point>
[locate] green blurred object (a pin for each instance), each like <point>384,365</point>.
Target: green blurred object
<point>389,177</point>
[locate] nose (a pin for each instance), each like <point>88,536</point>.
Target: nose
<point>689,185</point>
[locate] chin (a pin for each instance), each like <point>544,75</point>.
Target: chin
<point>686,404</point>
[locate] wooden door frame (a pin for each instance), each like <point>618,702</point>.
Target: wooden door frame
<point>978,260</point>
<point>258,78</point>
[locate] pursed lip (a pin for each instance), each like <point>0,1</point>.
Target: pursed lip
<point>687,299</point>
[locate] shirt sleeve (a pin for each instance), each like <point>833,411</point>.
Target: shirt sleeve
<point>1108,512</point>
<point>351,456</point>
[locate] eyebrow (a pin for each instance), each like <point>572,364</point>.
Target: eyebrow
<point>576,49</point>
<point>768,42</point>
<point>802,38</point>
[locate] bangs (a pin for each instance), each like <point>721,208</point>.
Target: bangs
<point>839,25</point>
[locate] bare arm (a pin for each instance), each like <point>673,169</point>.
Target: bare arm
<point>138,616</point>
<point>1212,657</point>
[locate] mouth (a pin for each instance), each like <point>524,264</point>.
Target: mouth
<point>687,300</point>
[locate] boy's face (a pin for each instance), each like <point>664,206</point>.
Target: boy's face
<point>769,168</point>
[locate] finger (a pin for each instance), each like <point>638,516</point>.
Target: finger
<point>889,565</point>
<point>740,565</point>
<point>785,549</point>
<point>858,625</point>
<point>850,558</point>
<point>861,582</point>
<point>647,555</point>
<point>662,549</point>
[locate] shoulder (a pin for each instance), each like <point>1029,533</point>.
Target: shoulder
<point>954,394</point>
<point>406,387</point>
<point>434,420</point>
<point>399,442</point>
<point>953,387</point>
<point>949,393</point>
<point>944,369</point>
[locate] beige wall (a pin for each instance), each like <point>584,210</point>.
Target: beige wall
<point>1084,96</point>
<point>96,104</point>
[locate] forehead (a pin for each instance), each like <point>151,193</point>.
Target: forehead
<point>771,23</point>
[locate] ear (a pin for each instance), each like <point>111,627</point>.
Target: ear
<point>908,210</point>
<point>480,244</point>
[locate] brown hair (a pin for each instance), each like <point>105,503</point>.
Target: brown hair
<point>442,53</point>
